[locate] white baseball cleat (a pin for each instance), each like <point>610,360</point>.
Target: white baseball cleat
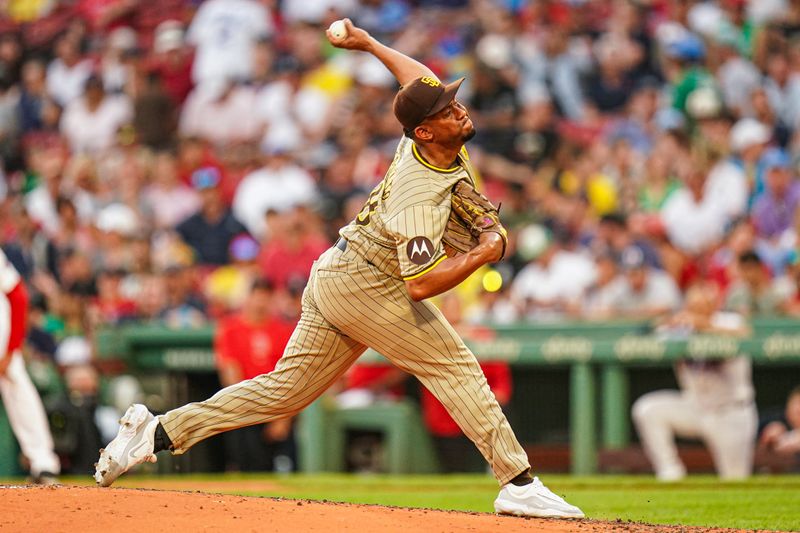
<point>133,445</point>
<point>533,499</point>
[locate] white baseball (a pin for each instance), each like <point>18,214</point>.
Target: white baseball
<point>338,29</point>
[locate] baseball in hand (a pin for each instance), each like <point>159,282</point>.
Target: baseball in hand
<point>338,29</point>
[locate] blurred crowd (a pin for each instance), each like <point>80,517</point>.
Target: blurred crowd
<point>158,157</point>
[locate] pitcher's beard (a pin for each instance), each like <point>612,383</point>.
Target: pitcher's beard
<point>469,135</point>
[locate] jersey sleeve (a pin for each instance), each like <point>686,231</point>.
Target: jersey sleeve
<point>418,231</point>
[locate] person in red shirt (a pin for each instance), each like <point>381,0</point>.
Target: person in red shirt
<point>172,60</point>
<point>246,345</point>
<point>110,306</point>
<point>294,243</point>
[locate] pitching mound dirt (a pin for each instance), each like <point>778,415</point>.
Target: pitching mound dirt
<point>90,510</point>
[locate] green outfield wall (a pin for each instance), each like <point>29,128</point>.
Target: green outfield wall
<point>598,358</point>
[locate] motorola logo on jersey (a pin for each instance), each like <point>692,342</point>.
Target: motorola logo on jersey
<point>419,250</point>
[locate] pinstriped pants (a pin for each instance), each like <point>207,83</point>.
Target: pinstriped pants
<point>347,306</point>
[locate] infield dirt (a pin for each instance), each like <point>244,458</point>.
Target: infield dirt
<point>89,510</point>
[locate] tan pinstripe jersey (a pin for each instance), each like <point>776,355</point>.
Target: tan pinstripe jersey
<point>399,229</point>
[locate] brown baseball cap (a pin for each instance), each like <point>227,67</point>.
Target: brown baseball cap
<point>422,98</point>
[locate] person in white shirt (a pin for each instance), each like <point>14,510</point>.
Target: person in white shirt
<point>222,112</point>
<point>737,76</point>
<point>279,185</point>
<point>715,402</point>
<point>116,69</point>
<point>224,32</point>
<point>317,11</point>
<point>68,72</point>
<point>170,201</point>
<point>48,163</point>
<point>548,286</point>
<point>694,221</point>
<point>640,292</point>
<point>782,86</point>
<point>289,111</point>
<point>726,184</point>
<point>90,123</point>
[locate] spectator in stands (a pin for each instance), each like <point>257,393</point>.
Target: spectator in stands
<point>280,185</point>
<point>736,75</point>
<point>111,307</point>
<point>151,298</point>
<point>557,277</point>
<point>782,87</point>
<point>561,67</point>
<point>291,112</point>
<point>155,114</point>
<point>754,293</point>
<point>782,436</point>
<point>170,201</point>
<point>294,243</point>
<point>493,101</point>
<point>788,286</point>
<point>184,307</point>
<point>69,316</point>
<point>9,99</point>
<point>659,181</point>
<point>641,292</point>
<point>33,96</point>
<point>726,185</point>
<point>684,67</point>
<point>613,236</point>
<point>172,61</point>
<point>220,110</point>
<point>597,300</point>
<point>212,228</point>
<point>117,224</point>
<point>715,402</point>
<point>611,85</point>
<point>224,33</point>
<point>68,72</point>
<point>492,306</point>
<point>723,265</point>
<point>90,122</point>
<point>316,12</point>
<point>246,345</point>
<point>46,164</point>
<point>11,57</point>
<point>774,211</point>
<point>764,113</point>
<point>692,219</point>
<point>116,65</point>
<point>749,140</point>
<point>227,287</point>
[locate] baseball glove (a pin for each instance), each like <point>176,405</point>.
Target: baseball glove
<point>471,213</point>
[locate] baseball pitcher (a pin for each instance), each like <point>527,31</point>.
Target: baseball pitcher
<point>423,230</point>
